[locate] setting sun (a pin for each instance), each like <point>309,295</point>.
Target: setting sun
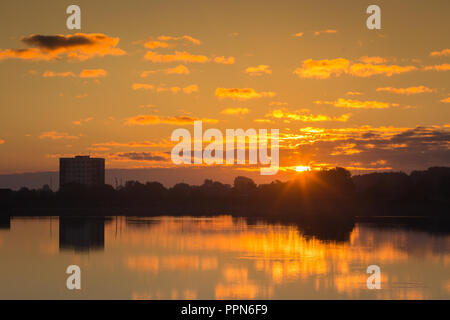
<point>302,168</point>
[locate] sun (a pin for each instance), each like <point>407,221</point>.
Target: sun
<point>302,168</point>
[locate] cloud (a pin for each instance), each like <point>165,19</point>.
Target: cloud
<point>446,100</point>
<point>223,60</point>
<point>156,44</point>
<point>444,52</point>
<point>178,56</point>
<point>439,67</point>
<point>54,135</point>
<point>134,144</point>
<point>303,116</point>
<point>87,73</point>
<point>407,91</point>
<point>81,121</point>
<point>399,148</point>
<point>328,31</point>
<point>166,89</point>
<point>180,69</point>
<point>141,156</point>
<point>93,73</point>
<point>185,37</point>
<point>145,74</point>
<point>79,46</point>
<point>259,70</point>
<point>373,60</point>
<point>235,111</point>
<point>357,104</point>
<point>368,69</point>
<point>143,86</point>
<point>299,34</point>
<point>149,87</point>
<point>322,69</point>
<point>190,89</point>
<point>51,74</point>
<point>2,141</point>
<point>346,149</point>
<point>144,120</point>
<point>241,94</point>
<point>353,93</point>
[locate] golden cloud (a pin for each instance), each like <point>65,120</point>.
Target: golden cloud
<point>368,69</point>
<point>2,141</point>
<point>299,34</point>
<point>223,60</point>
<point>439,67</point>
<point>81,121</point>
<point>329,31</point>
<point>446,100</point>
<point>144,120</point>
<point>373,60</point>
<point>79,46</point>
<point>235,111</point>
<point>353,93</point>
<point>185,37</point>
<point>241,94</point>
<point>444,52</point>
<point>407,91</point>
<point>346,149</point>
<point>357,104</point>
<point>302,116</point>
<point>143,86</point>
<point>322,69</point>
<point>51,74</point>
<point>259,70</point>
<point>180,69</point>
<point>54,135</point>
<point>134,144</point>
<point>87,73</point>
<point>178,56</point>
<point>190,89</point>
<point>156,44</point>
<point>93,73</point>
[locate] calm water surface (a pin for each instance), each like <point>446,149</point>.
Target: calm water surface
<point>215,258</point>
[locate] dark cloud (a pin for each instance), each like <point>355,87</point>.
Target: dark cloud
<point>79,46</point>
<point>56,41</point>
<point>413,149</point>
<point>141,156</point>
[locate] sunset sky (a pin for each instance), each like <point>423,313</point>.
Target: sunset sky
<point>340,94</point>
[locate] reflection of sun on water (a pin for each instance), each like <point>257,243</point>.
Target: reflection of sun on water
<point>247,261</point>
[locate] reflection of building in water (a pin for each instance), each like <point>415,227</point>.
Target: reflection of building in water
<point>81,234</point>
<point>5,221</point>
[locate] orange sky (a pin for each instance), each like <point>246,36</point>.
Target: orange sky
<point>340,94</point>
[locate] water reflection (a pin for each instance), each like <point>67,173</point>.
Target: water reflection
<point>81,233</point>
<point>5,221</point>
<point>219,258</point>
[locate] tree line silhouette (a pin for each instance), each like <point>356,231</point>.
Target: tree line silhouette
<point>314,196</point>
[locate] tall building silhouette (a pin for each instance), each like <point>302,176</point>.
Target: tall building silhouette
<point>81,169</point>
